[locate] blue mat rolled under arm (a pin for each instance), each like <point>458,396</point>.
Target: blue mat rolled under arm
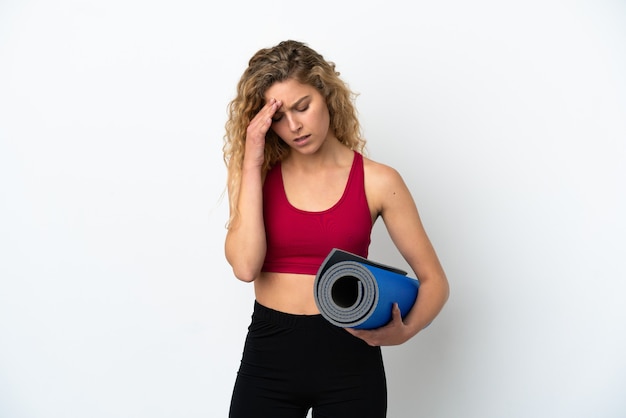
<point>354,292</point>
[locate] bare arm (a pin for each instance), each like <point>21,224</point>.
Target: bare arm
<point>402,220</point>
<point>245,244</point>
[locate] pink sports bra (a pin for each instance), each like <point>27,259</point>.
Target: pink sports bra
<point>298,241</point>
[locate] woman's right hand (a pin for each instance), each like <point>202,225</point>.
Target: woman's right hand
<point>245,242</point>
<point>255,134</point>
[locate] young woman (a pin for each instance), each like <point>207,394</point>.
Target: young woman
<point>299,186</point>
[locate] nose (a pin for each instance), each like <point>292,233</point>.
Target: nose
<point>294,123</point>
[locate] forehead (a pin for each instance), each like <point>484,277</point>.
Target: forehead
<point>289,91</point>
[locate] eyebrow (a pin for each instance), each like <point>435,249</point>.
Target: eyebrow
<point>296,104</point>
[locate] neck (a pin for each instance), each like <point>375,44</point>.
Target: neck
<point>332,152</point>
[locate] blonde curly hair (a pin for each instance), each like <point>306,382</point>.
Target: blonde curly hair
<point>288,60</point>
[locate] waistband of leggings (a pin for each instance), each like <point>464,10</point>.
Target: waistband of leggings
<point>284,318</point>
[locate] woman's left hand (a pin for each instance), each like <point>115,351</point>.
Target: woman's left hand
<point>394,333</point>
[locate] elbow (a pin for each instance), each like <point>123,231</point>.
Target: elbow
<point>246,275</point>
<point>246,272</point>
<point>446,290</point>
<point>246,266</point>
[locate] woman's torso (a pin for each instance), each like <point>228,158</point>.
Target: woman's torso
<point>335,199</point>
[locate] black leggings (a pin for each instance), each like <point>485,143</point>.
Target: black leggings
<point>292,363</point>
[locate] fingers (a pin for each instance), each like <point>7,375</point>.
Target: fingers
<point>272,106</point>
<point>255,134</point>
<point>371,337</point>
<point>390,334</point>
<point>396,315</point>
<point>262,121</point>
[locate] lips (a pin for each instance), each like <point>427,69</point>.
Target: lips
<point>301,138</point>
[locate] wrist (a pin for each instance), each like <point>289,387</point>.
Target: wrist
<point>251,168</point>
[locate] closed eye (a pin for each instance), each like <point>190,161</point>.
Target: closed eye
<point>301,105</point>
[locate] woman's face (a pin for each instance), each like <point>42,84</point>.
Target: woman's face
<point>302,121</point>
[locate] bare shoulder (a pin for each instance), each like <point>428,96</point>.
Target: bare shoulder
<point>383,184</point>
<point>380,175</point>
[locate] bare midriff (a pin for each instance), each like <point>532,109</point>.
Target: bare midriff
<point>286,292</point>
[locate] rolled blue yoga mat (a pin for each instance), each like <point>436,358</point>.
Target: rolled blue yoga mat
<point>354,292</point>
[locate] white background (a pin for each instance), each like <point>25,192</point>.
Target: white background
<point>507,120</point>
